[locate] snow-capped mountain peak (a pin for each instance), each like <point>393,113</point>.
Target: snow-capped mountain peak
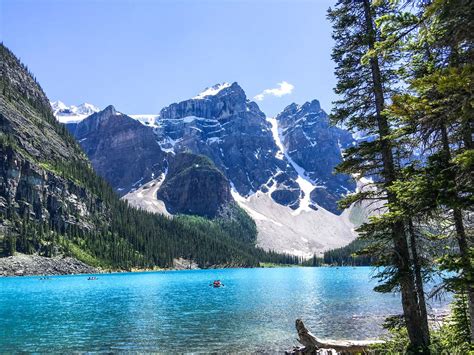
<point>211,91</point>
<point>70,114</point>
<point>86,109</point>
<point>280,170</point>
<point>57,106</point>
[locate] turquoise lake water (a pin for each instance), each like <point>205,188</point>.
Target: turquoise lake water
<point>177,311</point>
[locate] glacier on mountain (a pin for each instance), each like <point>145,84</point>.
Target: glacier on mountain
<point>72,114</point>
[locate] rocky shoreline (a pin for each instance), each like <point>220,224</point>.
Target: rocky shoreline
<point>31,265</point>
<point>24,265</point>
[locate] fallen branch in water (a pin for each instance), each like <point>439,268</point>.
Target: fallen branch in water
<point>313,345</point>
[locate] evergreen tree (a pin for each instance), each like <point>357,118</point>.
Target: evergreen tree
<point>436,111</point>
<point>366,82</point>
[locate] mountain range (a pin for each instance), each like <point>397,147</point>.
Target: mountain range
<point>53,203</point>
<point>72,113</point>
<point>279,170</point>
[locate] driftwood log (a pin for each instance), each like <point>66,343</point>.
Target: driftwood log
<point>313,345</point>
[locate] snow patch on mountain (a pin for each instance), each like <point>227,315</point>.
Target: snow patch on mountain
<point>85,109</point>
<point>57,106</point>
<point>72,114</point>
<point>147,120</point>
<point>304,234</point>
<point>305,183</point>
<point>168,144</point>
<point>211,91</point>
<point>75,114</point>
<point>259,154</point>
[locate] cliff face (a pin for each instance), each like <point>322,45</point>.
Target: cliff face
<point>127,154</point>
<point>292,157</point>
<point>122,150</point>
<point>316,146</point>
<point>280,170</point>
<point>30,189</point>
<point>232,131</point>
<point>33,150</point>
<point>52,202</point>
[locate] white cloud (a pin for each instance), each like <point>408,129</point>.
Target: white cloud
<point>284,88</point>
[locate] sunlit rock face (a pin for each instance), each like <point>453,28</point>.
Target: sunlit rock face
<point>232,131</point>
<point>316,146</point>
<point>291,157</point>
<point>280,170</point>
<point>121,149</point>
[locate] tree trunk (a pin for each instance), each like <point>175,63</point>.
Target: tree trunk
<point>462,239</point>
<point>467,264</point>
<point>313,345</point>
<point>418,278</point>
<point>419,337</point>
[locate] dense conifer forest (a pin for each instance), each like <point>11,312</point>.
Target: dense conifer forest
<point>350,255</point>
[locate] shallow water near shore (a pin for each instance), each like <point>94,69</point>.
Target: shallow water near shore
<point>177,311</point>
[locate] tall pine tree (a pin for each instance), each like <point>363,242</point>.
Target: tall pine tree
<point>365,83</point>
<point>436,111</point>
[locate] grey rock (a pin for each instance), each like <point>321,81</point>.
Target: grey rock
<point>30,182</point>
<point>232,132</point>
<point>122,150</point>
<point>315,145</point>
<point>24,265</point>
<point>235,135</point>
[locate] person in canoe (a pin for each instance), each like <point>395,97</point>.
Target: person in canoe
<point>217,283</point>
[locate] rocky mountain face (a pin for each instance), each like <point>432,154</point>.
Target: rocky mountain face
<point>53,203</point>
<point>223,125</point>
<point>122,150</point>
<point>315,146</point>
<point>129,155</point>
<point>193,185</point>
<point>33,149</point>
<point>28,189</point>
<point>291,157</point>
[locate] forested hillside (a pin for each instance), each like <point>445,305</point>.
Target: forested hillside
<point>52,202</point>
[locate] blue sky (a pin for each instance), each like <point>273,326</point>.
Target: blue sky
<point>141,55</point>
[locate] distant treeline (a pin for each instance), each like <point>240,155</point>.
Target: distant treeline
<point>350,254</point>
